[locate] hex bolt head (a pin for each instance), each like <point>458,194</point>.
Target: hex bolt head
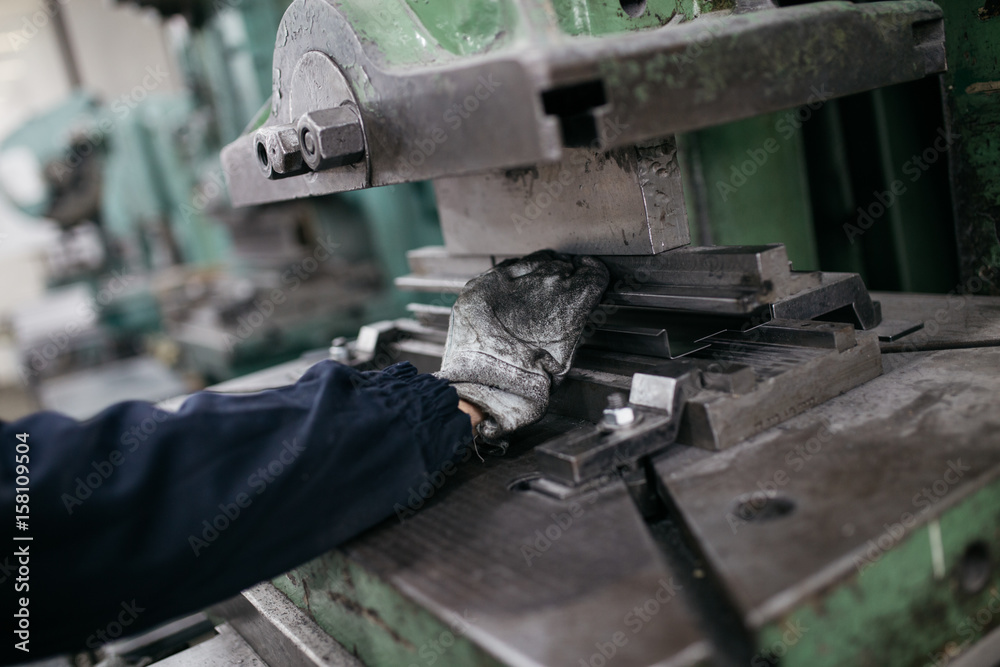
<point>277,150</point>
<point>618,414</point>
<point>331,137</point>
<point>339,351</point>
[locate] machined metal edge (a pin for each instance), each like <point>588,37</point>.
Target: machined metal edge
<point>279,632</point>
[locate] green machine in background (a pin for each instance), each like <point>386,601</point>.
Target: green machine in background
<point>226,58</point>
<point>142,180</point>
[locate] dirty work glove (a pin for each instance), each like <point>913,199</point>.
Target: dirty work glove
<point>512,335</point>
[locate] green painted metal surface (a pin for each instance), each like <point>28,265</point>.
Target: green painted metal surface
<point>409,32</point>
<point>896,609</point>
<point>373,620</point>
<point>748,185</point>
<point>878,181</point>
<point>462,27</point>
<point>917,211</point>
<point>831,190</point>
<point>48,136</point>
<point>972,98</point>
<point>391,33</point>
<point>602,17</point>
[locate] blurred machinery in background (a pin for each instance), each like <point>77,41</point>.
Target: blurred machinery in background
<point>152,259</point>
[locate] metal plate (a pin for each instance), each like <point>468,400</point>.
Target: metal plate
<point>851,467</point>
<point>725,280</point>
<point>857,473</point>
<point>836,291</point>
<point>628,201</point>
<point>950,320</point>
<point>525,569</point>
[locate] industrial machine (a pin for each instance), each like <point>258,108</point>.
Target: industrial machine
<point>164,271</point>
<point>747,464</point>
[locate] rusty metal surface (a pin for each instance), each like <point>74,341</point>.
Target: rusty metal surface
<point>909,443</point>
<point>525,566</point>
<point>790,380</point>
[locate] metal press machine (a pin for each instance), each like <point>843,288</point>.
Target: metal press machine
<point>747,464</point>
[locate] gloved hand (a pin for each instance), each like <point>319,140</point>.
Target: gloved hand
<point>512,335</point>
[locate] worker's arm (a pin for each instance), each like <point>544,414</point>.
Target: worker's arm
<point>475,414</point>
<point>139,515</point>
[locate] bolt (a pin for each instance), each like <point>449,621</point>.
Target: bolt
<point>618,414</point>
<point>331,137</point>
<point>616,400</point>
<point>278,151</point>
<point>339,350</point>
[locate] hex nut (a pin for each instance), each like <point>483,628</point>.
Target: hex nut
<point>618,417</point>
<point>331,137</point>
<point>277,150</point>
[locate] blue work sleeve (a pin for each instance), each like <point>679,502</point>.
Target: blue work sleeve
<point>139,515</point>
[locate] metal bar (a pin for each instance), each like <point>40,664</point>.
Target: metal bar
<point>66,52</point>
<point>838,291</point>
<point>590,452</point>
<point>281,633</point>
